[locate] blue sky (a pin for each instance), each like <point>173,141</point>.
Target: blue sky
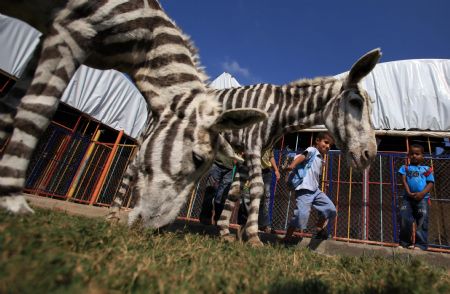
<point>281,41</point>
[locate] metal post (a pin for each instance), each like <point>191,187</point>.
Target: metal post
<point>106,168</point>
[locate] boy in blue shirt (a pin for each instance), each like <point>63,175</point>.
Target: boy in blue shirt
<point>418,180</point>
<point>308,193</point>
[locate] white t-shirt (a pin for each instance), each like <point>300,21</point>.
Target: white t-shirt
<point>312,177</point>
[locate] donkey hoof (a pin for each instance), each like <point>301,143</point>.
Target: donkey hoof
<point>112,218</point>
<point>16,205</point>
<point>228,238</point>
<point>255,243</point>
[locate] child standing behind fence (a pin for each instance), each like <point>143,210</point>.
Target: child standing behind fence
<point>418,180</point>
<point>308,193</point>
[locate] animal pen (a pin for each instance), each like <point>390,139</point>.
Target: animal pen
<point>84,152</point>
<point>367,202</point>
<point>79,159</point>
<point>84,162</point>
<point>79,166</point>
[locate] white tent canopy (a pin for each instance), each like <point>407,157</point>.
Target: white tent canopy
<point>18,40</point>
<point>410,95</point>
<point>108,96</point>
<point>224,81</point>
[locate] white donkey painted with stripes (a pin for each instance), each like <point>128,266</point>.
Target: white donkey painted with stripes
<point>136,37</point>
<point>341,104</point>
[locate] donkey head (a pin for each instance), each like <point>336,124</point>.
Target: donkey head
<point>180,149</point>
<point>348,114</point>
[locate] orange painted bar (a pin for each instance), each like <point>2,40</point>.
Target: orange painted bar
<point>6,84</point>
<point>96,193</point>
<point>337,194</point>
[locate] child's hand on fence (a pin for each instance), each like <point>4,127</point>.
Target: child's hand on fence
<point>277,175</point>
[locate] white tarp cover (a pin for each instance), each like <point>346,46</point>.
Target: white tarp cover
<point>108,96</point>
<point>410,94</point>
<point>224,81</point>
<point>18,40</point>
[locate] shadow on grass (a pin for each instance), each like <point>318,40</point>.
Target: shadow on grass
<point>313,285</point>
<point>213,231</point>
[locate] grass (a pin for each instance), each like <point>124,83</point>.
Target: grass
<point>52,252</point>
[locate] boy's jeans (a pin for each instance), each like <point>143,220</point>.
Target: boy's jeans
<point>410,211</point>
<point>306,199</point>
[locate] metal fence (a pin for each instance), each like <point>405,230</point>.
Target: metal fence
<point>72,164</point>
<point>7,81</point>
<point>367,201</point>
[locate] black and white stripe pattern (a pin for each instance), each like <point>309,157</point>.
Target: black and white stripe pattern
<point>342,105</point>
<point>138,38</point>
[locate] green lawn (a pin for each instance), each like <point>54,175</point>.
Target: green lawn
<point>55,252</point>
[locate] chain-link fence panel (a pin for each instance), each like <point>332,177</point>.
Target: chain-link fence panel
<point>439,223</point>
<point>68,165</point>
<point>366,201</point>
<point>84,184</point>
<point>55,162</point>
<point>193,206</point>
<point>282,202</point>
<point>113,179</point>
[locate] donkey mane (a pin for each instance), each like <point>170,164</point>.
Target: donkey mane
<point>195,58</point>
<point>312,82</point>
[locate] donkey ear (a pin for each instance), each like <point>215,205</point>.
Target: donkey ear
<point>238,118</point>
<point>226,153</point>
<point>363,66</point>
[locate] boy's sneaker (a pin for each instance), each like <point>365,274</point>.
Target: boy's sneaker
<point>320,235</point>
<point>265,229</point>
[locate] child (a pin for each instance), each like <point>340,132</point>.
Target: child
<point>308,193</point>
<point>418,180</point>
<point>267,165</point>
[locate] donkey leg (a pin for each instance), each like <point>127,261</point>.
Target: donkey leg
<point>224,220</point>
<point>56,66</point>
<point>256,192</point>
<point>128,181</point>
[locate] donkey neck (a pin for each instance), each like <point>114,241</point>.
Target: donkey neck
<point>304,102</point>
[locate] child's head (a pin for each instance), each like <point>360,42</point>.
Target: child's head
<point>415,154</point>
<point>324,140</point>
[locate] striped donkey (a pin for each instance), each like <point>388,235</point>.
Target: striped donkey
<point>138,38</point>
<point>341,104</point>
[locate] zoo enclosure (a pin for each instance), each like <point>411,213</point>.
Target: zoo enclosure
<point>367,202</point>
<point>79,159</point>
<point>83,161</point>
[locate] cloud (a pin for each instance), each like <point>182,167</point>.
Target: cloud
<point>234,68</point>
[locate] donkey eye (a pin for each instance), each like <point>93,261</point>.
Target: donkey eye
<point>198,160</point>
<point>356,102</point>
